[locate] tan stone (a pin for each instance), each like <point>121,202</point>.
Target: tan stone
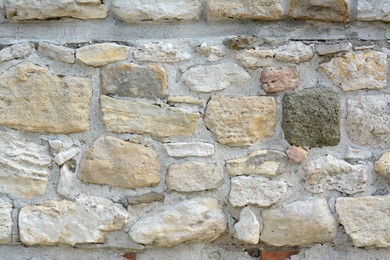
<point>324,10</point>
<point>185,99</point>
<point>255,58</point>
<point>161,52</point>
<point>382,166</point>
<point>102,54</point>
<point>295,52</point>
<point>5,222</point>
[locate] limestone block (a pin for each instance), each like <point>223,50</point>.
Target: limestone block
<point>5,222</point>
<point>248,228</point>
<point>17,51</point>
<point>377,10</point>
<point>195,149</point>
<point>57,52</point>
<point>382,165</point>
<point>102,54</point>
<point>161,52</point>
<point>295,52</point>
<point>324,10</point>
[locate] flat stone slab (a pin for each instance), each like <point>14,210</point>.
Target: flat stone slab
<point>325,10</point>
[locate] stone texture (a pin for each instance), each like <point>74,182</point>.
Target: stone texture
<point>215,77</point>
<point>5,222</point>
<point>368,120</point>
<point>213,53</point>
<point>129,79</point>
<point>57,52</point>
<point>248,228</point>
<point>255,58</point>
<point>194,176</point>
<point>161,52</point>
<point>382,165</point>
<point>326,49</point>
<point>195,220</point>
<point>115,162</point>
<point>156,10</point>
<point>27,92</point>
<point>295,52</point>
<point>324,10</point>
<point>278,255</point>
<point>245,9</point>
<point>195,149</point>
<point>17,51</point>
<point>146,198</point>
<point>66,155</point>
<point>64,222</point>
<point>299,223</point>
<point>296,154</point>
<point>241,121</point>
<point>259,191</point>
<point>366,220</point>
<point>330,173</point>
<point>122,116</point>
<point>101,54</point>
<point>276,80</point>
<point>185,99</point>
<point>355,155</point>
<point>243,42</point>
<point>19,10</point>
<point>311,117</point>
<point>65,182</point>
<point>377,10</point>
<point>361,70</point>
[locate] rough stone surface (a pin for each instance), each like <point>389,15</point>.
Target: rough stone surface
<point>296,154</point>
<point>65,222</point>
<point>146,198</point>
<point>5,222</point>
<point>66,155</point>
<point>366,220</point>
<point>122,116</point>
<point>213,53</point>
<point>189,149</point>
<point>185,99</point>
<point>330,173</point>
<point>326,49</point>
<point>311,117</point>
<point>295,52</point>
<point>382,165</point>
<point>102,54</point>
<point>248,228</point>
<point>243,42</point>
<point>65,182</point>
<point>200,219</point>
<point>368,10</point>
<point>276,80</point>
<point>355,155</point>
<point>325,10</point>
<point>115,162</point>
<point>259,191</point>
<point>354,71</point>
<point>161,52</point>
<point>17,51</point>
<point>255,58</point>
<point>299,223</point>
<point>57,52</point>
<point>241,121</point>
<point>27,92</point>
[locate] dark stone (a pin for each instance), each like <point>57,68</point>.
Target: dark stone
<point>243,42</point>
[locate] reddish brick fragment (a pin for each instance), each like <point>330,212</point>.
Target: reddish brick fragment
<point>278,255</point>
<point>275,80</point>
<point>130,256</point>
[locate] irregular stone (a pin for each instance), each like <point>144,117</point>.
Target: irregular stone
<point>296,154</point>
<point>160,52</point>
<point>195,149</point>
<point>325,10</point>
<point>122,116</point>
<point>382,166</point>
<point>299,223</point>
<point>273,255</point>
<point>213,53</point>
<point>65,156</point>
<point>355,155</point>
<point>194,176</point>
<point>366,220</point>
<point>215,77</point>
<point>5,222</point>
<point>17,51</point>
<point>241,121</point>
<point>378,10</point>
<point>64,222</point>
<point>354,71</point>
<point>255,58</point>
<point>258,191</point>
<point>146,198</point>
<point>243,42</point>
<point>57,52</point>
<point>27,95</point>
<point>195,220</point>
<point>115,162</point>
<point>24,166</point>
<point>295,52</point>
<point>374,112</point>
<point>19,10</point>
<point>57,145</point>
<point>248,228</point>
<point>311,117</point>
<point>65,182</point>
<point>276,80</point>
<point>129,79</point>
<point>245,9</point>
<point>330,173</point>
<point>326,49</point>
<point>102,54</point>
<point>185,99</point>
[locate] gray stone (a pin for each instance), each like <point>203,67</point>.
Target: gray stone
<point>66,155</point>
<point>243,42</point>
<point>213,53</point>
<point>378,10</point>
<point>324,10</point>
<point>146,198</point>
<point>101,54</point>
<point>255,58</point>
<point>17,51</point>
<point>57,52</point>
<point>354,155</point>
<point>65,182</point>
<point>248,228</point>
<point>161,52</point>
<point>195,149</point>
<point>5,222</point>
<point>295,52</point>
<point>326,49</point>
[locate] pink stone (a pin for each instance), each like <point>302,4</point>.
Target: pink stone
<point>296,154</point>
<point>275,80</point>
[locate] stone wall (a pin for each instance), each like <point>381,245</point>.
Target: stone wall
<point>190,129</point>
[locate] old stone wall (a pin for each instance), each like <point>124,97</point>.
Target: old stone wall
<point>194,129</point>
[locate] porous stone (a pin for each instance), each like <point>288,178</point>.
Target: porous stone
<point>325,10</point>
<point>122,116</point>
<point>378,10</point>
<point>195,149</point>
<point>66,155</point>
<point>326,49</point>
<point>27,92</point>
<point>146,198</point>
<point>243,42</point>
<point>195,220</point>
<point>295,52</point>
<point>161,52</point>
<point>17,51</point>
<point>65,182</point>
<point>215,77</point>
<point>368,120</point>
<point>65,222</point>
<point>330,173</point>
<point>57,52</point>
<point>296,154</point>
<point>259,191</point>
<point>248,228</point>
<point>361,70</point>
<point>194,176</point>
<point>355,155</point>
<point>102,54</point>
<point>241,121</point>
<point>255,58</point>
<point>5,222</point>
<point>311,117</point>
<point>213,53</point>
<point>382,165</point>
<point>185,99</point>
<point>115,162</point>
<point>276,80</point>
<point>366,220</point>
<point>19,10</point>
<point>299,223</point>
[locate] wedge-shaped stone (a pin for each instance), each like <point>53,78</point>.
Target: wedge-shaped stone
<point>5,222</point>
<point>17,51</point>
<point>324,10</point>
<point>377,10</point>
<point>122,116</point>
<point>57,52</point>
<point>248,228</point>
<point>196,220</point>
<point>161,52</point>
<point>34,100</point>
<point>102,54</point>
<point>115,162</point>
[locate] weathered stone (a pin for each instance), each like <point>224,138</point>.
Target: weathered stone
<point>122,116</point>
<point>27,95</point>
<point>325,10</point>
<point>213,53</point>
<point>299,223</point>
<point>296,154</point>
<point>146,198</point>
<point>57,52</point>
<point>382,166</point>
<point>65,222</point>
<point>248,228</point>
<point>65,156</point>
<point>368,120</point>
<point>243,42</point>
<point>115,162</point>
<point>17,51</point>
<point>57,145</point>
<point>275,80</point>
<point>354,71</point>
<point>295,52</point>
<point>330,173</point>
<point>326,49</point>
<point>378,10</point>
<point>160,52</point>
<point>255,58</point>
<point>102,54</point>
<point>258,191</point>
<point>245,9</point>
<point>241,121</point>
<point>65,182</point>
<point>5,222</point>
<point>194,176</point>
<point>189,149</point>
<point>366,220</point>
<point>195,220</point>
<point>19,10</point>
<point>215,77</point>
<point>311,117</point>
<point>185,99</point>
<point>355,155</point>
